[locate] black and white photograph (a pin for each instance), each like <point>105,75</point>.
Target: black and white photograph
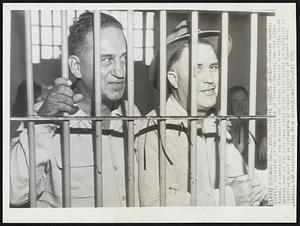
<point>112,108</point>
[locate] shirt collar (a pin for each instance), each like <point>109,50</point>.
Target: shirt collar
<point>174,108</point>
<point>114,125</point>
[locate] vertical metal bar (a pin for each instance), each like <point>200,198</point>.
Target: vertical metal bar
<point>98,102</point>
<point>52,34</point>
<point>194,48</point>
<point>252,94</point>
<point>66,177</point>
<point>224,87</point>
<point>144,35</point>
<point>162,104</point>
<point>30,102</point>
<point>40,34</point>
<point>130,91</point>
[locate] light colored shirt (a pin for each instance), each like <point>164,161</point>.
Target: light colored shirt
<point>49,164</point>
<point>177,169</point>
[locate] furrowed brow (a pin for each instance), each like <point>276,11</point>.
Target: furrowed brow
<point>107,55</point>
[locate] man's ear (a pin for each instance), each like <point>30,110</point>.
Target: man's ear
<point>74,64</point>
<point>172,77</point>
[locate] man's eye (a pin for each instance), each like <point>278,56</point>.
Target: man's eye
<point>214,67</point>
<point>199,68</point>
<point>106,61</point>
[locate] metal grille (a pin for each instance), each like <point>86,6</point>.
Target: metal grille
<point>97,119</point>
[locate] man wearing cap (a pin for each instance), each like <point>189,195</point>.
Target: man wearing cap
<point>239,190</point>
<point>77,99</point>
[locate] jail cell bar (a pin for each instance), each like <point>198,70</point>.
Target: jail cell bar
<point>66,171</point>
<point>252,93</point>
<point>30,101</point>
<point>193,110</point>
<point>224,88</point>
<point>162,109</point>
<point>98,171</point>
<point>130,92</point>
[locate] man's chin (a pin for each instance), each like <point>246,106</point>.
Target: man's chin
<point>207,106</point>
<point>116,98</point>
<point>113,97</point>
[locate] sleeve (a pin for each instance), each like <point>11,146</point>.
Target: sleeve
<point>19,161</point>
<point>234,161</point>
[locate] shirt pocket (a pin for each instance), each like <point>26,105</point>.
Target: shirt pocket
<point>82,166</point>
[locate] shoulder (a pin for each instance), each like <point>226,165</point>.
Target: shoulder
<point>152,113</point>
<point>148,126</point>
<point>124,106</point>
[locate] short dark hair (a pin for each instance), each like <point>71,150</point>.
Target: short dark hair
<point>234,89</point>
<point>84,24</point>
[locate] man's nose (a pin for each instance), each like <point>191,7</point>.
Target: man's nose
<point>207,75</point>
<point>118,70</point>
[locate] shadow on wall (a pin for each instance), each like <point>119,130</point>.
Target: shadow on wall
<point>145,97</point>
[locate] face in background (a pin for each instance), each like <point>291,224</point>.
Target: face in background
<point>113,64</point>
<point>239,103</point>
<point>207,78</point>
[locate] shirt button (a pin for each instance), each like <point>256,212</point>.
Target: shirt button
<point>115,168</point>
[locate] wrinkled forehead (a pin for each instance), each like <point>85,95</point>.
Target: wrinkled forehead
<point>206,53</point>
<point>110,38</point>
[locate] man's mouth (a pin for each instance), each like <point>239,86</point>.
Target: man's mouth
<point>208,92</point>
<point>119,83</point>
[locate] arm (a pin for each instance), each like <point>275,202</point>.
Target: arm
<point>59,99</point>
<point>242,192</point>
<point>239,189</point>
<point>19,162</point>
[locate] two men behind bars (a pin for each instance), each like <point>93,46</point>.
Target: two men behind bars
<point>77,100</point>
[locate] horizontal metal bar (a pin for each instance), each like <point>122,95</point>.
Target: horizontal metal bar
<point>260,12</point>
<point>129,118</point>
<point>264,12</point>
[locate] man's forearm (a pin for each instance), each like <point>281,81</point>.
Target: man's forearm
<point>19,162</point>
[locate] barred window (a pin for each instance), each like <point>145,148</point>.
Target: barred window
<point>46,33</point>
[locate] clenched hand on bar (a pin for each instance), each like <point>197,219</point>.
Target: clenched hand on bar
<point>60,99</point>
